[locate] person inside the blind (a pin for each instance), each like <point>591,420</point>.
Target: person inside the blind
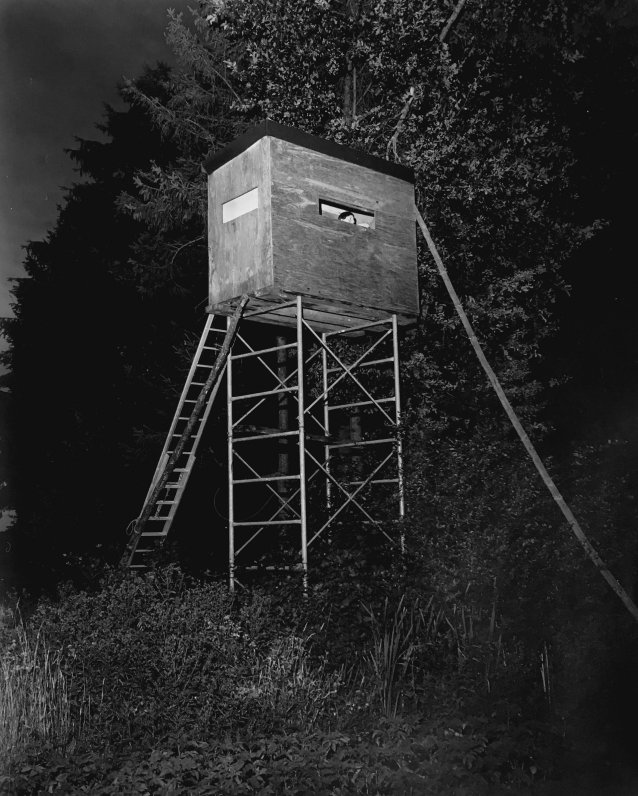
<point>348,217</point>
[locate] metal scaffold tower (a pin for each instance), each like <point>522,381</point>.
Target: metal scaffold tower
<point>343,453</point>
<point>315,241</point>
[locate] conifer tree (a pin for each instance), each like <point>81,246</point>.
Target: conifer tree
<point>92,358</point>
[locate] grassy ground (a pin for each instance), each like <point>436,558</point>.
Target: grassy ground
<point>160,685</point>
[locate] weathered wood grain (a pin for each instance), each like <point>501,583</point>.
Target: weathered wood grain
<point>240,251</point>
<point>287,247</point>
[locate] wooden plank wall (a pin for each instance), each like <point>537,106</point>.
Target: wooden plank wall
<point>323,257</point>
<point>240,251</point>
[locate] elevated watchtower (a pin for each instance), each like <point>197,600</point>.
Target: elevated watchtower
<point>321,238</point>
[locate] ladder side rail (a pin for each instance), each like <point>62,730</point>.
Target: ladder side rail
<point>161,464</point>
<point>182,480</point>
<point>180,404</point>
<point>208,391</point>
<point>163,457</point>
<point>179,490</point>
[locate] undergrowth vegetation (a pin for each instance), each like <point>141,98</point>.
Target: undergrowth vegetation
<point>34,702</point>
<point>164,684</point>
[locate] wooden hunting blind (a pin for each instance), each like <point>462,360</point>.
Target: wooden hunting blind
<point>293,214</point>
<point>308,234</point>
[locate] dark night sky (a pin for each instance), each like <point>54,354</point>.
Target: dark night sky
<point>60,60</point>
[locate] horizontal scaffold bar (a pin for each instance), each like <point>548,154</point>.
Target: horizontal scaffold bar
<point>264,393</point>
<point>354,404</point>
<point>265,479</point>
<point>384,361</point>
<point>347,329</point>
<point>362,442</point>
<point>266,436</point>
<point>263,351</point>
<point>268,522</point>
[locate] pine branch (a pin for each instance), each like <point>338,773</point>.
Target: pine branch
<point>192,54</point>
<point>168,118</point>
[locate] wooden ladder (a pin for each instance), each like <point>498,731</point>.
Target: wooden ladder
<point>178,455</point>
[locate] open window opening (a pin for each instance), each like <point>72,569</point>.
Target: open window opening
<point>347,213</point>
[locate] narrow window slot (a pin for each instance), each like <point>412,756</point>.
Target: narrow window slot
<point>240,205</point>
<point>347,213</point>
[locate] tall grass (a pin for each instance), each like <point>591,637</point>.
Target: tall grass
<point>288,685</point>
<point>395,641</point>
<point>34,701</point>
<point>404,636</point>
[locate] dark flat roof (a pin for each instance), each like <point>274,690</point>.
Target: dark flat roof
<point>314,142</point>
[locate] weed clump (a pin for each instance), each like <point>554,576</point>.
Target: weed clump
<point>160,683</point>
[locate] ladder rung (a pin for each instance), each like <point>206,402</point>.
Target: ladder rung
<point>146,534</point>
<point>188,417</point>
<point>165,502</point>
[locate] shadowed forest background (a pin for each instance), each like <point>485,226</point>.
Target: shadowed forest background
<point>514,664</point>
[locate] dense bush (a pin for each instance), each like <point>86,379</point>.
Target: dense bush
<point>173,686</point>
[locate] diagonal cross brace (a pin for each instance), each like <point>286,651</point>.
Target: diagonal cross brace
<point>350,496</point>
<point>349,371</point>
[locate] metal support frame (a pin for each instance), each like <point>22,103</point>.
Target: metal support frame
<point>326,384</point>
